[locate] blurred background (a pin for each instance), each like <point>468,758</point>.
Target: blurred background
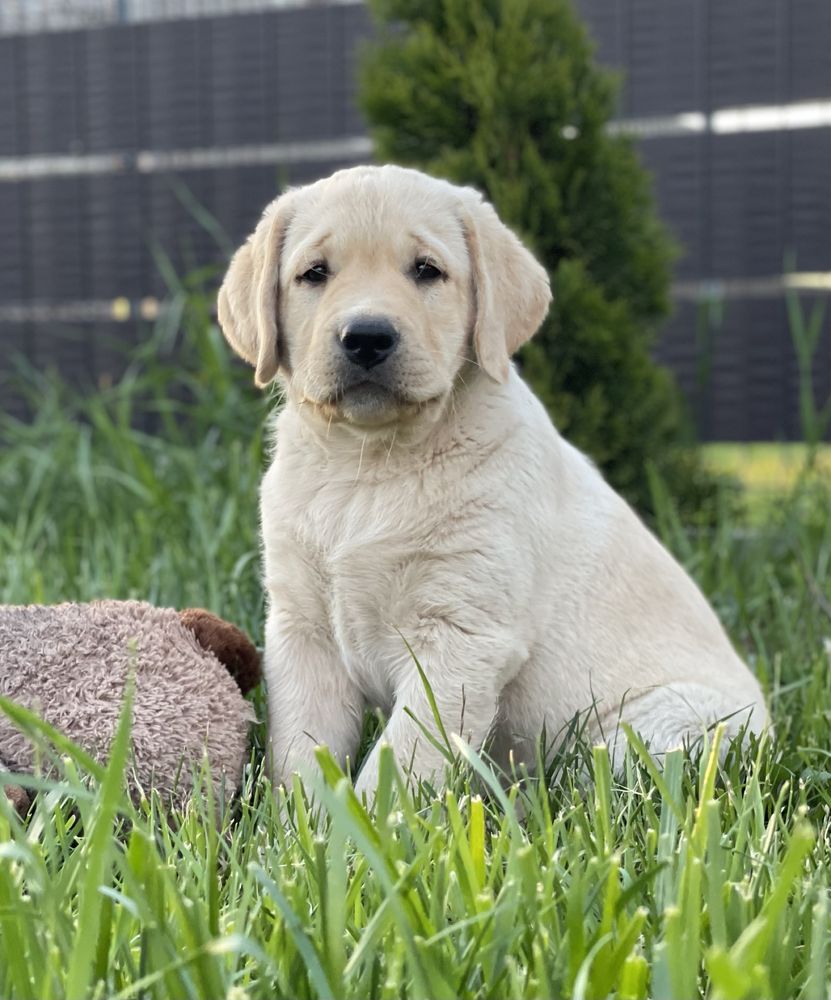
<point>141,139</point>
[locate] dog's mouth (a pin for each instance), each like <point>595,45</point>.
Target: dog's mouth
<point>368,404</point>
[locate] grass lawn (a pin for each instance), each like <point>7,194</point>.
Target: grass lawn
<point>698,881</point>
<point>766,469</point>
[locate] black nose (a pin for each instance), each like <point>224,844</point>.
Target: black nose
<point>368,340</point>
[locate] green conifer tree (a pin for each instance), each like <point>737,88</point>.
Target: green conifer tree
<point>505,95</point>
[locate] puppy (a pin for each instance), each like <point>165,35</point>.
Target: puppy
<point>419,492</point>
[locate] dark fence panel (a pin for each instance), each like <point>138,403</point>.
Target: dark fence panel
<point>739,370</point>
<point>104,106</point>
<point>114,99</point>
<point>707,54</point>
<point>745,207</point>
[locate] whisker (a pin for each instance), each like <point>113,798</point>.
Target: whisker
<point>389,450</point>
<point>360,459</point>
<point>438,354</point>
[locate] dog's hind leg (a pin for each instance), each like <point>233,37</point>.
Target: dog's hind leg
<point>677,715</point>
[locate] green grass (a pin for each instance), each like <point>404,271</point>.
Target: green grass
<point>766,470</point>
<point>698,881</point>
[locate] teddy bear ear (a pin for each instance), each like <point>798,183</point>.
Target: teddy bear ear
<point>229,644</point>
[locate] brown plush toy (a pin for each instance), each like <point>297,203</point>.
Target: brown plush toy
<point>70,664</point>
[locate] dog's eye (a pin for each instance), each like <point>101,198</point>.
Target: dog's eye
<point>425,270</point>
<point>316,274</point>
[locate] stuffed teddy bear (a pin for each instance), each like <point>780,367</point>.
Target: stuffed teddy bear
<point>70,664</point>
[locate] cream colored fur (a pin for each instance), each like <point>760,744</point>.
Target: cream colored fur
<point>443,507</point>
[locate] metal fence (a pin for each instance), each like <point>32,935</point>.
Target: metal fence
<point>126,146</point>
<point>735,99</point>
<point>127,143</point>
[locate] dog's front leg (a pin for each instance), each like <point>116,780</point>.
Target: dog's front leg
<point>311,700</point>
<point>467,707</point>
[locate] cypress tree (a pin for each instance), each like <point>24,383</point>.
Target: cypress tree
<point>505,95</point>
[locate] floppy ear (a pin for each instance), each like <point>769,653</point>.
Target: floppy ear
<point>247,302</point>
<point>511,289</point>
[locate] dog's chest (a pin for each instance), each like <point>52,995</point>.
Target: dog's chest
<point>373,556</point>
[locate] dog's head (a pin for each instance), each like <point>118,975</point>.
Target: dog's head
<point>370,290</point>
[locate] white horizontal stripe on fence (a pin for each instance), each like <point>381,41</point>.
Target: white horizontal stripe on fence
<point>25,168</point>
<point>80,311</point>
<point>729,121</point>
<point>33,16</point>
<point>122,309</point>
<point>726,121</point>
<point>751,288</point>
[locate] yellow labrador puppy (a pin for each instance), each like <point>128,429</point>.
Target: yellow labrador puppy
<point>419,491</point>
